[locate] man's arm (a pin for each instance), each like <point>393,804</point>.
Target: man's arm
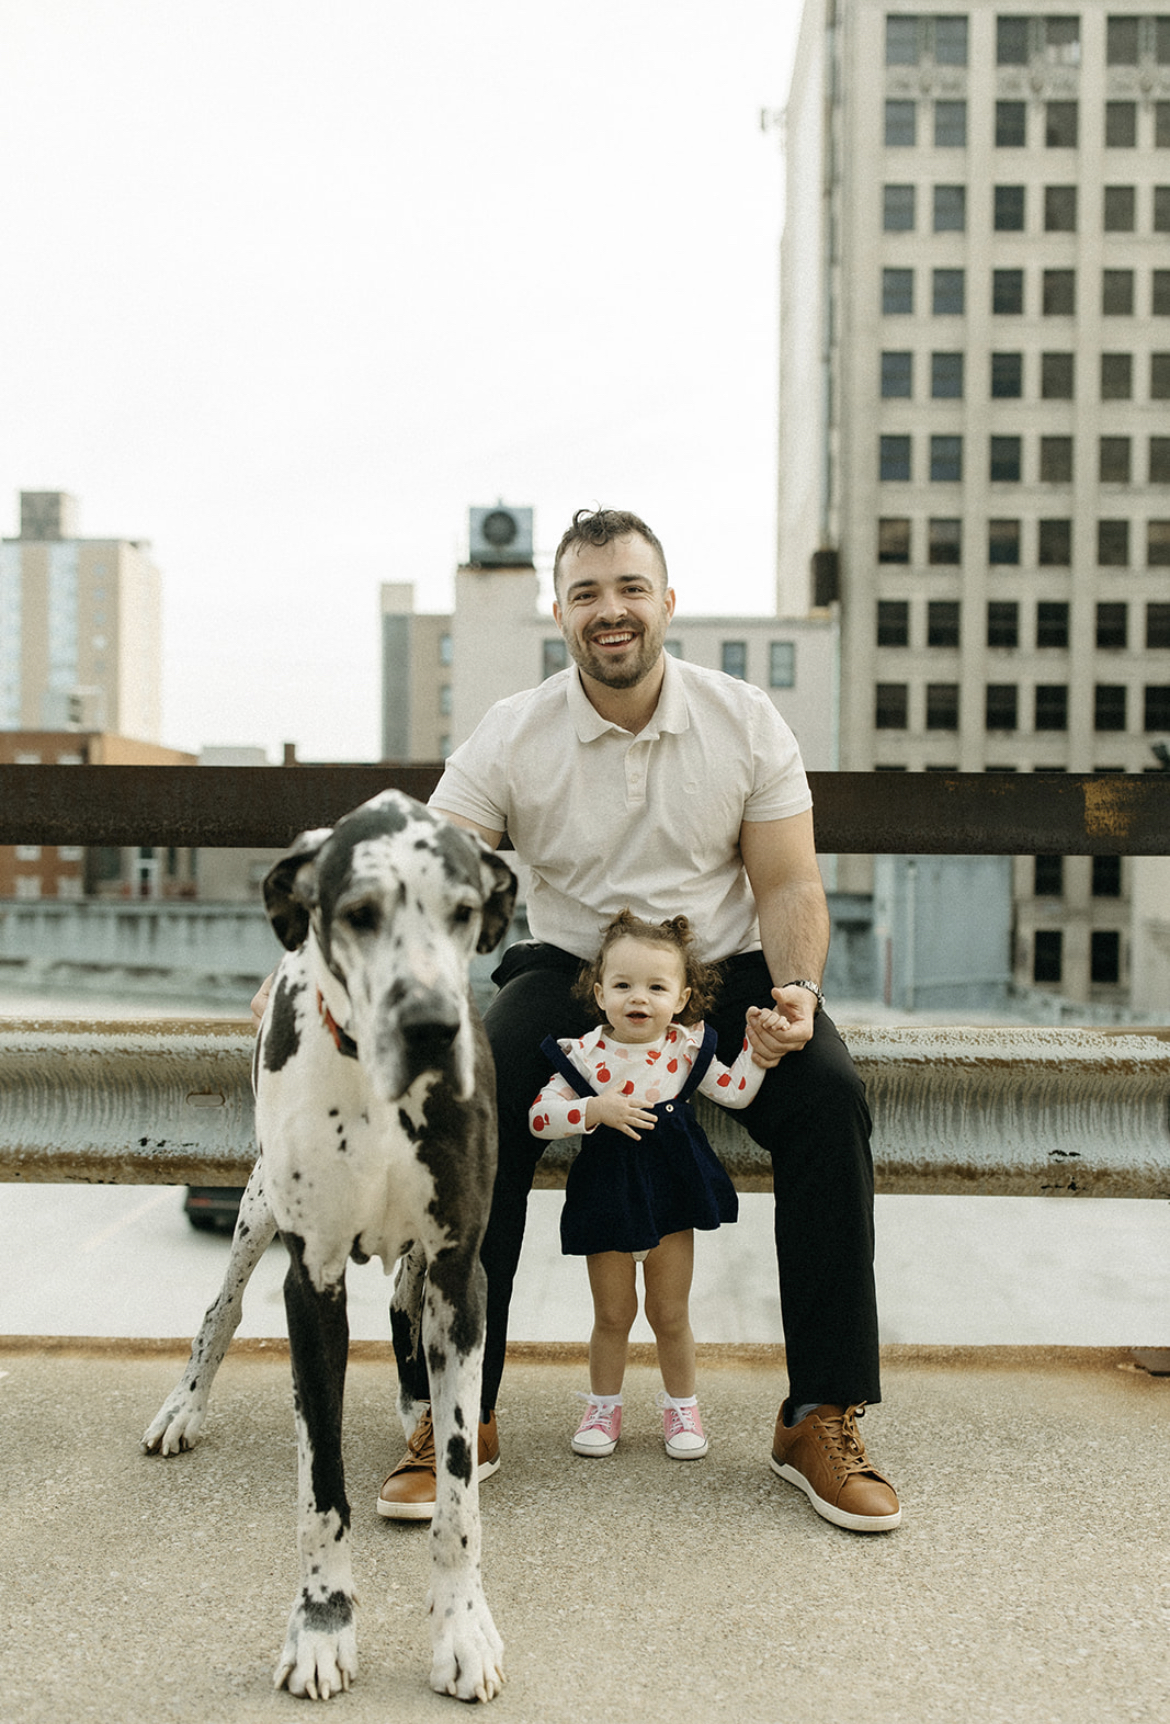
<point>491,839</point>
<point>779,858</point>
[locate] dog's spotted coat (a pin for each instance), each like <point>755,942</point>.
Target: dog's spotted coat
<point>375,1116</point>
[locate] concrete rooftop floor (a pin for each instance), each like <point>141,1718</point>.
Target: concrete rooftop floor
<point>1030,1579</point>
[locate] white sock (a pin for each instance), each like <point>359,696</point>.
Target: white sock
<point>604,1401</point>
<point>678,1405</point>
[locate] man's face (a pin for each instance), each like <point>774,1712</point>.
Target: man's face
<point>613,608</point>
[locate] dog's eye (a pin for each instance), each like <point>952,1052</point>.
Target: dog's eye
<point>462,913</point>
<point>362,918</point>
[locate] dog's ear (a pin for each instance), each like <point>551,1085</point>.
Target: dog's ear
<point>290,888</point>
<point>500,897</point>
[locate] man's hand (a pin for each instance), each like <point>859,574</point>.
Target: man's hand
<point>611,1107</point>
<point>794,1013</point>
<point>766,1031</point>
<point>260,999</point>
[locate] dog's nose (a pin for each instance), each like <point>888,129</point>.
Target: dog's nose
<point>428,1031</point>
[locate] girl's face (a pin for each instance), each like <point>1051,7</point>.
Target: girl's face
<point>642,988</point>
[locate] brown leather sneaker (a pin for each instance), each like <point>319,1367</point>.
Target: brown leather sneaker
<point>825,1456</point>
<point>409,1491</point>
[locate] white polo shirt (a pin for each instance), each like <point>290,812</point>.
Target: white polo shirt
<point>607,820</point>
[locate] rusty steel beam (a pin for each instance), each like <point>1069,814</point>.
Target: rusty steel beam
<point>927,813</point>
<point>958,1111</point>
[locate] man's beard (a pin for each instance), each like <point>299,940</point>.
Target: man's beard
<point>626,674</point>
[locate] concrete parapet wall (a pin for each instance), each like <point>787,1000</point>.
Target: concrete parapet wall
<point>968,1111</point>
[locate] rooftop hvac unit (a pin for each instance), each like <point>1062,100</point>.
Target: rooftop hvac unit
<point>500,538</point>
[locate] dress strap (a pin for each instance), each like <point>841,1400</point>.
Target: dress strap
<point>703,1059</point>
<point>562,1063</point>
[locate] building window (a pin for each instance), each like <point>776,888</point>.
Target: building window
<point>1009,209</point>
<point>1007,376</point>
<point>950,40</point>
<point>1004,464</point>
<point>1162,125</point>
<point>1054,548</point>
<point>733,659</point>
<point>554,656</point>
<point>891,703</point>
<point>1003,542</point>
<point>942,623</point>
<point>946,459</point>
<point>1112,626</point>
<point>1160,301</point>
<point>894,539</point>
<point>948,293</point>
<point>1109,703</point>
<point>1058,293</point>
<point>444,700</point>
<point>1113,544</point>
<point>1007,292</point>
<point>950,209</point>
<point>898,209</point>
<point>942,706</point>
<point>1157,625</point>
<point>1113,460</point>
<point>1159,468</point>
<point>1011,125</point>
<point>1157,544</point>
<point>1011,41</point>
<point>782,664</point>
<point>901,124</point>
<point>76,852</point>
<point>1160,376</point>
<point>1048,876</point>
<point>1003,623</point>
<point>1060,209</point>
<point>1052,623</point>
<point>1056,460</point>
<point>1106,877</point>
<point>950,125</point>
<point>893,623</point>
<point>1157,707</point>
<point>901,40</point>
<point>28,852</point>
<point>1120,209</point>
<point>28,885</point>
<point>1061,125</point>
<point>897,292</point>
<point>894,458</point>
<point>1001,711</point>
<point>1046,955</point>
<point>1117,293</point>
<point>946,376</point>
<point>1105,955</point>
<point>1121,41</point>
<point>1117,376</point>
<point>1121,125</point>
<point>1051,706</point>
<point>945,540</point>
<point>446,649</point>
<point>897,376</point>
<point>1162,209</point>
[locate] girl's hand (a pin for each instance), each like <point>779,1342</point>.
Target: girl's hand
<point>764,1030</point>
<point>622,1112</point>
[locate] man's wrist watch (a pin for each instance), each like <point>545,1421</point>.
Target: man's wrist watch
<point>813,988</point>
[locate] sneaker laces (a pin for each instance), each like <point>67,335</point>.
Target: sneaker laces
<point>843,1442</point>
<point>420,1448</point>
<point>597,1414</point>
<point>680,1418</point>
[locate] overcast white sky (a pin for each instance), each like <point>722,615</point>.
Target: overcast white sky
<point>286,286</point>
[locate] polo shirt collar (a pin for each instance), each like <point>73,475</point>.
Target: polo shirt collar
<point>671,714</point>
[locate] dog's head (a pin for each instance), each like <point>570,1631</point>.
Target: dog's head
<point>399,900</point>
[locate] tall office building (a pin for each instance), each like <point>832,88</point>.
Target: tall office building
<point>80,627</point>
<point>975,443</point>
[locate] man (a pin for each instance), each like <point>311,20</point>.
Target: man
<point>631,779</point>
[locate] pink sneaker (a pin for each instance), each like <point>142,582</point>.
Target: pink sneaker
<point>683,1431</point>
<point>600,1427</point>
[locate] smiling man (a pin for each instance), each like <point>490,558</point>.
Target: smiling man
<point>634,780</point>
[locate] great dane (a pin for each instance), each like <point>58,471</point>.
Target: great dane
<point>375,1118</point>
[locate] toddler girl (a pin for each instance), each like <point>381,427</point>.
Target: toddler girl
<point>645,1176</point>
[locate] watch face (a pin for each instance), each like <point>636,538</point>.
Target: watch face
<point>499,528</point>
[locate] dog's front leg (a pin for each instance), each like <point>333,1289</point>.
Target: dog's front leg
<point>468,1652</point>
<point>320,1649</point>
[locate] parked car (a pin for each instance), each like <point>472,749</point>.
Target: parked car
<point>213,1208</point>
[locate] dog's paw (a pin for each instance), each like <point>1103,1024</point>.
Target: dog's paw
<point>320,1650</point>
<point>468,1652</point>
<point>176,1426</point>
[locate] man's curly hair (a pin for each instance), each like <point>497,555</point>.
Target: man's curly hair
<point>702,979</point>
<point>599,527</point>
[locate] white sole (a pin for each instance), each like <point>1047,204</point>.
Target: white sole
<point>827,1511</point>
<point>426,1511</point>
<point>687,1454</point>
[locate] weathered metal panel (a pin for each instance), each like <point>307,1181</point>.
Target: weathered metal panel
<point>994,1112</point>
<point>956,814</point>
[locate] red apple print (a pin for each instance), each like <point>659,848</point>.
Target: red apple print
<point>652,1055</point>
<point>601,1047</point>
<point>539,1124</point>
<point>603,1074</point>
<point>627,1089</point>
<point>574,1116</point>
<point>672,1065</point>
<point>724,1080</point>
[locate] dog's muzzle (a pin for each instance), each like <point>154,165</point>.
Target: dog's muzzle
<point>420,1036</point>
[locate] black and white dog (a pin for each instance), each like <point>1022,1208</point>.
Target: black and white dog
<point>375,1117</point>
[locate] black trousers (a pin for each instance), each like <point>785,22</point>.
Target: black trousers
<point>811,1118</point>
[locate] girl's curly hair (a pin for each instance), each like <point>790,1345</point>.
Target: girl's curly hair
<point>702,979</point>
